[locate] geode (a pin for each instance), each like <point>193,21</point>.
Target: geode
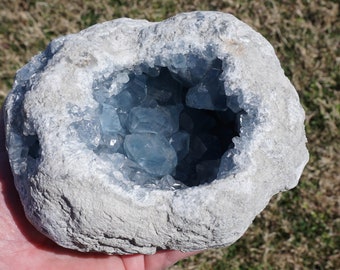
<point>132,136</point>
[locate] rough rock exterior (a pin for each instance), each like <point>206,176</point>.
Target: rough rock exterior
<point>81,199</point>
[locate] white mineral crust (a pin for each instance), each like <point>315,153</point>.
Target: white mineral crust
<point>81,199</point>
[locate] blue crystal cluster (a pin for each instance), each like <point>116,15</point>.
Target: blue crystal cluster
<point>171,120</point>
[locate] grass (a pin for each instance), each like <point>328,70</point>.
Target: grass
<point>299,229</point>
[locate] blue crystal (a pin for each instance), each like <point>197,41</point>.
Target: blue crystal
<point>197,121</point>
<point>199,97</point>
<point>137,174</point>
<point>178,62</point>
<point>89,132</point>
<point>175,111</point>
<point>227,163</point>
<point>198,67</point>
<point>149,102</point>
<point>136,85</point>
<point>132,94</point>
<point>213,146</point>
<point>168,182</point>
<point>208,94</point>
<point>152,152</point>
<point>111,143</point>
<point>197,149</point>
<point>207,170</point>
<point>109,120</point>
<point>180,141</point>
<point>194,70</point>
<point>150,120</point>
<point>186,172</point>
<point>123,101</point>
<point>152,71</point>
<point>101,94</point>
<point>233,104</point>
<point>164,89</point>
<point>107,85</point>
<point>186,122</point>
<point>123,116</point>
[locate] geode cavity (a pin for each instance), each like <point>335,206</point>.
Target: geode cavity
<point>132,136</point>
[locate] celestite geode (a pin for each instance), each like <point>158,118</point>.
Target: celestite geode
<point>133,136</point>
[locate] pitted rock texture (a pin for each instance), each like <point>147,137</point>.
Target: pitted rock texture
<point>132,136</point>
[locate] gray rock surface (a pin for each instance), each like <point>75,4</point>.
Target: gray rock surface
<point>82,198</point>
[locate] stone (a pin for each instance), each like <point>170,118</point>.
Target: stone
<point>132,136</point>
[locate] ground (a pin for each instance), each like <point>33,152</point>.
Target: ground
<point>299,229</point>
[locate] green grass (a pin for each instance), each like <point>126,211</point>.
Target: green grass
<point>299,229</point>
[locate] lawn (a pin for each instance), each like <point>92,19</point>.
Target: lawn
<point>299,229</point>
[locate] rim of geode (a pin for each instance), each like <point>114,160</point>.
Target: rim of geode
<point>127,43</point>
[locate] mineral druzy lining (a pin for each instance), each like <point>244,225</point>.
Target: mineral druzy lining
<point>171,120</point>
<point>131,136</point>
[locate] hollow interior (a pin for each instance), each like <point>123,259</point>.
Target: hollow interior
<point>25,152</point>
<point>173,121</point>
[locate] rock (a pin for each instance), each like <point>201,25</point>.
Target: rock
<point>131,136</point>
